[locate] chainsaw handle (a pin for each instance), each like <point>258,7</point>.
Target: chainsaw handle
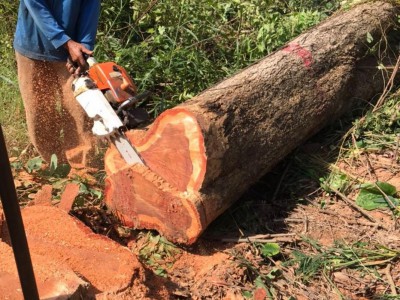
<point>90,61</point>
<point>133,100</point>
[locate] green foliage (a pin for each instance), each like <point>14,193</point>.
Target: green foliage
<point>341,255</point>
<point>335,181</point>
<point>379,195</point>
<point>179,48</point>
<point>94,192</point>
<point>11,109</point>
<point>55,169</point>
<point>34,164</point>
<point>380,129</point>
<point>270,249</point>
<point>8,12</point>
<point>157,252</point>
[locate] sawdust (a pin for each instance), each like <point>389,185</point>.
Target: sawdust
<point>52,233</point>
<point>56,122</point>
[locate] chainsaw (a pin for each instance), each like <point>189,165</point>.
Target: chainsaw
<point>108,95</point>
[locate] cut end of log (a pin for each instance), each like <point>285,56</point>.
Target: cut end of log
<point>173,148</point>
<point>161,195</point>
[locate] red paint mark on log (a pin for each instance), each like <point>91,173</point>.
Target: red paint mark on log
<point>43,196</point>
<point>68,197</point>
<point>301,52</point>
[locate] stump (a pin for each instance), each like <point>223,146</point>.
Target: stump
<point>203,154</point>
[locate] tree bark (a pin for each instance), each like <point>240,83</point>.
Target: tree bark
<point>203,154</point>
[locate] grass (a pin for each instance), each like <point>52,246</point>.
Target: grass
<point>341,255</point>
<point>12,115</point>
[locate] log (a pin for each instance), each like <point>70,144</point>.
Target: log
<point>203,154</point>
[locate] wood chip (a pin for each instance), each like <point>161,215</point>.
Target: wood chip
<point>68,197</point>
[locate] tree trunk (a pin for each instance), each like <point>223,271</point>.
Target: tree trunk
<point>203,154</point>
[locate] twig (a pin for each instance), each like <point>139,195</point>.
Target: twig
<point>146,11</point>
<point>371,168</point>
<point>359,209</point>
<point>259,238</point>
<point>305,229</point>
<point>25,151</point>
<point>388,201</point>
<point>390,280</point>
<point>251,240</point>
<point>287,220</point>
<point>351,222</point>
<point>396,151</point>
<point>268,236</point>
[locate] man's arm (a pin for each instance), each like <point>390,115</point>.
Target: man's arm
<point>45,21</point>
<point>86,33</point>
<point>87,23</point>
<point>48,25</point>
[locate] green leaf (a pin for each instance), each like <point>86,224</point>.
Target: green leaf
<point>62,170</point>
<point>370,197</point>
<point>247,294</point>
<point>387,188</point>
<point>335,181</point>
<point>83,189</point>
<point>56,170</point>
<point>17,165</point>
<point>270,249</point>
<point>96,193</point>
<point>259,282</point>
<point>155,239</point>
<point>274,273</point>
<point>59,184</point>
<point>160,272</point>
<point>161,30</point>
<point>34,164</point>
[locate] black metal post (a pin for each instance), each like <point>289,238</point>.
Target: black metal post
<point>15,225</point>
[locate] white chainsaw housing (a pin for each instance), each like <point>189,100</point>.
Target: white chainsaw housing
<point>96,106</point>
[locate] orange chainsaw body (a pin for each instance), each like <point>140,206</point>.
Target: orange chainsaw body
<point>113,81</point>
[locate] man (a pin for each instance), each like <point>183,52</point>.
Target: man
<point>47,33</point>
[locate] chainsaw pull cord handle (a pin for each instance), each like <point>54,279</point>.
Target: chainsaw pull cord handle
<point>15,225</point>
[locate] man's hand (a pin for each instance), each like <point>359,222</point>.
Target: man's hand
<point>77,62</point>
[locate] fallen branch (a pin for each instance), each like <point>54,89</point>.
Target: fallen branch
<point>259,238</point>
<point>390,280</point>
